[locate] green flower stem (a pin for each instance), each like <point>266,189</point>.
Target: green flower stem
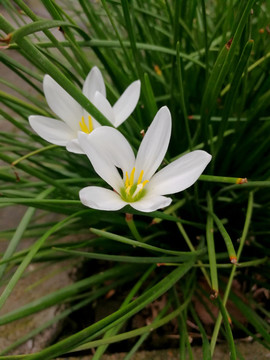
<point>191,247</point>
<point>132,226</point>
<point>230,280</point>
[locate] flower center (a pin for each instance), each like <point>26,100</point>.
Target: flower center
<point>133,191</point>
<point>86,129</point>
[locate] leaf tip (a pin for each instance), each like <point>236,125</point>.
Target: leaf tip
<point>241,181</point>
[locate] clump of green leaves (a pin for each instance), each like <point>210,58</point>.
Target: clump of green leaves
<point>208,61</point>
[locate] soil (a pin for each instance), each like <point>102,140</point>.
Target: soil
<point>250,351</point>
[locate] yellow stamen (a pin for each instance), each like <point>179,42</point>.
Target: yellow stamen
<point>144,183</point>
<point>132,190</point>
<point>84,127</point>
<point>90,124</point>
<point>140,177</point>
<point>127,181</point>
<point>131,181</point>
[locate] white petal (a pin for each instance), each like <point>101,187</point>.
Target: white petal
<point>94,121</point>
<point>92,146</point>
<point>111,143</point>
<point>94,82</point>
<point>101,198</point>
<point>74,147</point>
<point>151,202</point>
<point>126,103</point>
<point>61,103</point>
<point>154,144</point>
<point>52,130</point>
<point>180,174</point>
<point>103,106</point>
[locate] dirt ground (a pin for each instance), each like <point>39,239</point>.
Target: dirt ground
<point>249,351</point>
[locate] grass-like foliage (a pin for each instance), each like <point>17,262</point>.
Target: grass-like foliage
<point>208,62</point>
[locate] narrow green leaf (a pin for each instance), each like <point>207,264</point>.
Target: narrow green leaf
<point>227,239</point>
<point>32,53</point>
<point>134,243</point>
<point>129,259</point>
<point>231,96</point>
<point>211,246</point>
<point>229,334</point>
<point>151,102</point>
<point>182,94</point>
<point>38,25</point>
<point>26,261</point>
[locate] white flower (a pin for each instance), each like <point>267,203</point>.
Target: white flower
<point>138,185</point>
<point>74,117</point>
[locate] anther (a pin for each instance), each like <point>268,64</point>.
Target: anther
<point>84,127</point>
<point>132,177</point>
<point>140,177</point>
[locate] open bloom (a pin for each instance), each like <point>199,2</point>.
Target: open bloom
<point>74,117</point>
<point>134,180</point>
